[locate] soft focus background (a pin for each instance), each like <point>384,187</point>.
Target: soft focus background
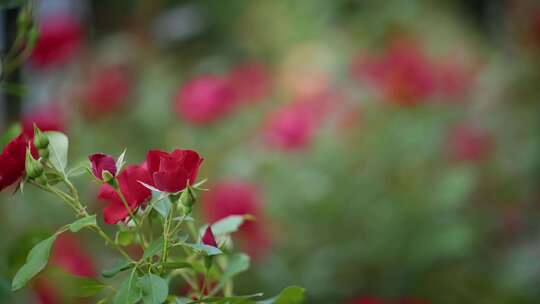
<point>389,149</point>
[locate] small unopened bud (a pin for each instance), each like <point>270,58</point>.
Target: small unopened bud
<point>42,180</point>
<point>33,167</point>
<point>188,197</point>
<point>41,141</point>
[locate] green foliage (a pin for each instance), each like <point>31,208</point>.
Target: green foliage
<point>154,289</point>
<point>88,221</point>
<point>35,262</point>
<point>58,150</point>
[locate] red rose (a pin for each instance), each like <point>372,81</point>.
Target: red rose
<point>205,99</point>
<point>48,117</point>
<point>468,143</point>
<point>12,160</point>
<point>68,254</point>
<point>238,198</point>
<point>403,73</point>
<point>102,162</point>
<point>208,237</point>
<point>59,39</point>
<point>107,90</point>
<point>251,81</point>
<point>134,192</point>
<point>171,172</point>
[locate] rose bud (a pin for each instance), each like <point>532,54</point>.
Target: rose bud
<point>172,172</point>
<point>12,160</point>
<point>34,168</point>
<point>103,166</point>
<point>41,141</point>
<point>208,238</point>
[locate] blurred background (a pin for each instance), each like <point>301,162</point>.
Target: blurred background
<point>388,149</point>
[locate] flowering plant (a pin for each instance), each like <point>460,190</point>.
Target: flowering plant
<point>151,206</point>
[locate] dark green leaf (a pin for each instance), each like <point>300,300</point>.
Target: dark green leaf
<point>118,267</point>
<point>177,265</point>
<point>154,289</point>
<point>128,292</point>
<point>35,262</point>
<point>154,247</point>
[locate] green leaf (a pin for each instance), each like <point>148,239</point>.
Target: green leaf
<point>177,300</point>
<point>79,169</point>
<point>238,263</point>
<point>85,287</point>
<point>154,247</point>
<point>229,224</point>
<point>228,300</point>
<point>125,238</point>
<point>128,292</point>
<point>289,295</point>
<point>163,207</point>
<point>82,223</point>
<point>58,149</point>
<point>177,265</point>
<point>35,262</point>
<point>118,267</point>
<point>205,249</point>
<point>154,289</point>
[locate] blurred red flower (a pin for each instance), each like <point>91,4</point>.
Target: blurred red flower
<point>468,143</point>
<point>205,99</point>
<point>133,191</point>
<point>403,73</point>
<point>59,39</point>
<point>171,172</point>
<point>48,117</point>
<point>12,160</point>
<point>232,197</point>
<point>251,81</point>
<point>107,90</point>
<point>293,126</point>
<point>102,162</point>
<point>68,254</point>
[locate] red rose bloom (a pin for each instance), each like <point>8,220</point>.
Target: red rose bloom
<point>59,39</point>
<point>208,237</point>
<point>171,172</point>
<point>404,74</point>
<point>12,160</point>
<point>205,99</point>
<point>251,81</point>
<point>102,162</point>
<point>134,192</point>
<point>238,198</point>
<point>47,117</point>
<point>68,254</point>
<point>107,90</point>
<point>469,144</point>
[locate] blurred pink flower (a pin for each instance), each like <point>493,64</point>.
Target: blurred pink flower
<point>59,39</point>
<point>454,79</point>
<point>48,117</point>
<point>468,143</point>
<point>232,197</point>
<point>293,126</point>
<point>205,99</point>
<point>251,81</point>
<point>107,91</point>
<point>403,73</point>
